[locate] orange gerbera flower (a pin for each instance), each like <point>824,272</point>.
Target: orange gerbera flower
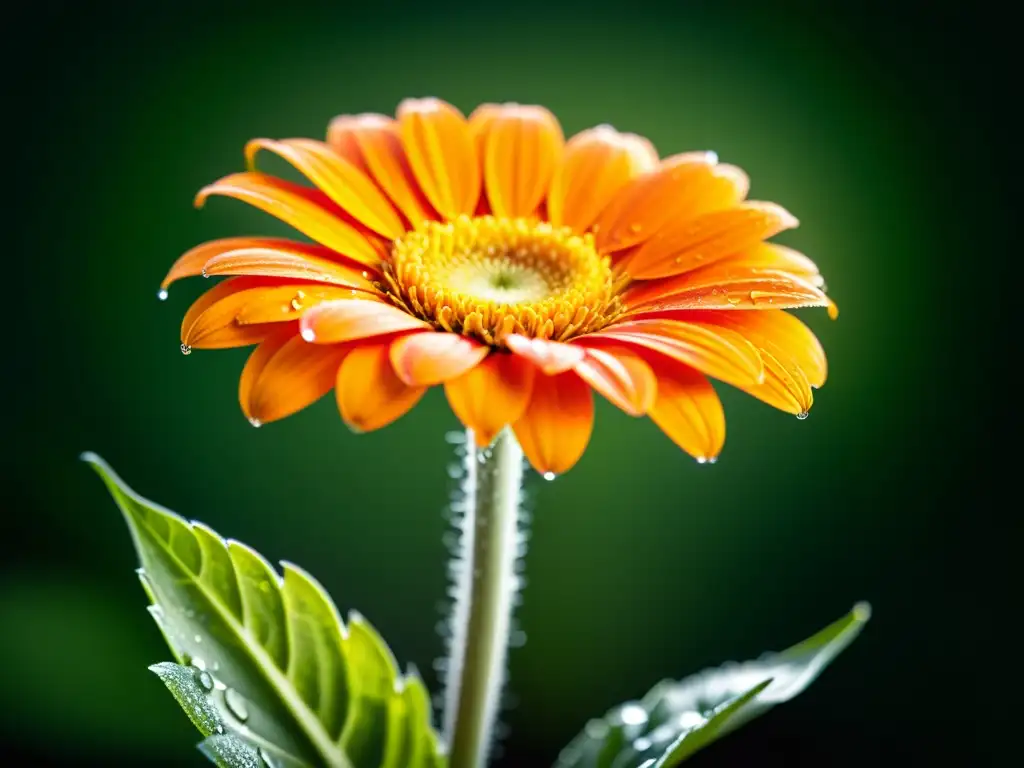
<point>515,268</point>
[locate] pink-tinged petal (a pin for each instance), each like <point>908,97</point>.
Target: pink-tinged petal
<point>428,358</point>
<point>338,178</point>
<point>440,148</point>
<point>557,424</point>
<point>550,356</point>
<point>337,321</point>
<point>596,164</point>
<point>619,374</point>
<point>700,241</point>
<point>310,211</point>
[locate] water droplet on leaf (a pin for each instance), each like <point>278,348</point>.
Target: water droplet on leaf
<point>236,704</point>
<point>206,681</point>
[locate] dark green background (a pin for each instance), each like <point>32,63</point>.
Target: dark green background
<point>866,123</point>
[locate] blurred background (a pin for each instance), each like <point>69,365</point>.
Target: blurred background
<point>866,121</point>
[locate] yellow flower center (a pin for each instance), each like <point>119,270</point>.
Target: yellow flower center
<point>488,277</point>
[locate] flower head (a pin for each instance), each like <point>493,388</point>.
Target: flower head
<point>518,270</point>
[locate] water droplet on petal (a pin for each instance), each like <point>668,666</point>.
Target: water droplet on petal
<point>802,415</point>
<point>236,704</point>
<point>702,459</point>
<point>162,294</point>
<point>255,422</point>
<point>549,476</point>
<point>186,349</point>
<point>308,334</point>
<point>204,273</point>
<point>206,681</point>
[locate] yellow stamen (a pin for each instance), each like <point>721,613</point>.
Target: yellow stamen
<point>488,277</point>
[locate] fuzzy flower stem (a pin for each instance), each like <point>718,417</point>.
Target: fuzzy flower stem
<point>485,587</point>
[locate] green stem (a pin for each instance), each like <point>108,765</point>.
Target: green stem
<point>485,588</point>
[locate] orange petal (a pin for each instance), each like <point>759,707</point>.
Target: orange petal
<point>722,286</point>
<point>376,141</point>
<point>191,263</point>
<point>210,322</point>
<point>440,148</point>
<point>341,180</point>
<point>521,146</point>
<point>491,395</point>
<point>556,426</point>
<point>370,395</point>
<point>778,333</point>
<point>620,375</point>
<point>480,122</point>
<point>284,375</point>
<point>684,186</point>
<point>775,257</point>
<point>289,302</point>
<point>596,164</point>
<point>688,410</point>
<point>550,356</point>
<point>785,387</point>
<point>713,350</point>
<point>337,321</point>
<point>218,318</point>
<point>425,359</point>
<point>308,210</point>
<point>700,241</point>
<point>302,263</point>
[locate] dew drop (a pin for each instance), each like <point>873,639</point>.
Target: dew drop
<point>702,460</point>
<point>255,422</point>
<point>308,334</point>
<point>802,415</point>
<point>186,349</point>
<point>162,294</point>
<point>635,227</point>
<point>204,273</point>
<point>549,476</point>
<point>642,744</point>
<point>198,663</point>
<point>266,759</point>
<point>206,681</point>
<point>198,638</point>
<point>236,704</point>
<point>633,714</point>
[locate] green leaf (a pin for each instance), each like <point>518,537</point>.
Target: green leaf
<point>676,719</point>
<point>296,682</point>
<point>194,690</point>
